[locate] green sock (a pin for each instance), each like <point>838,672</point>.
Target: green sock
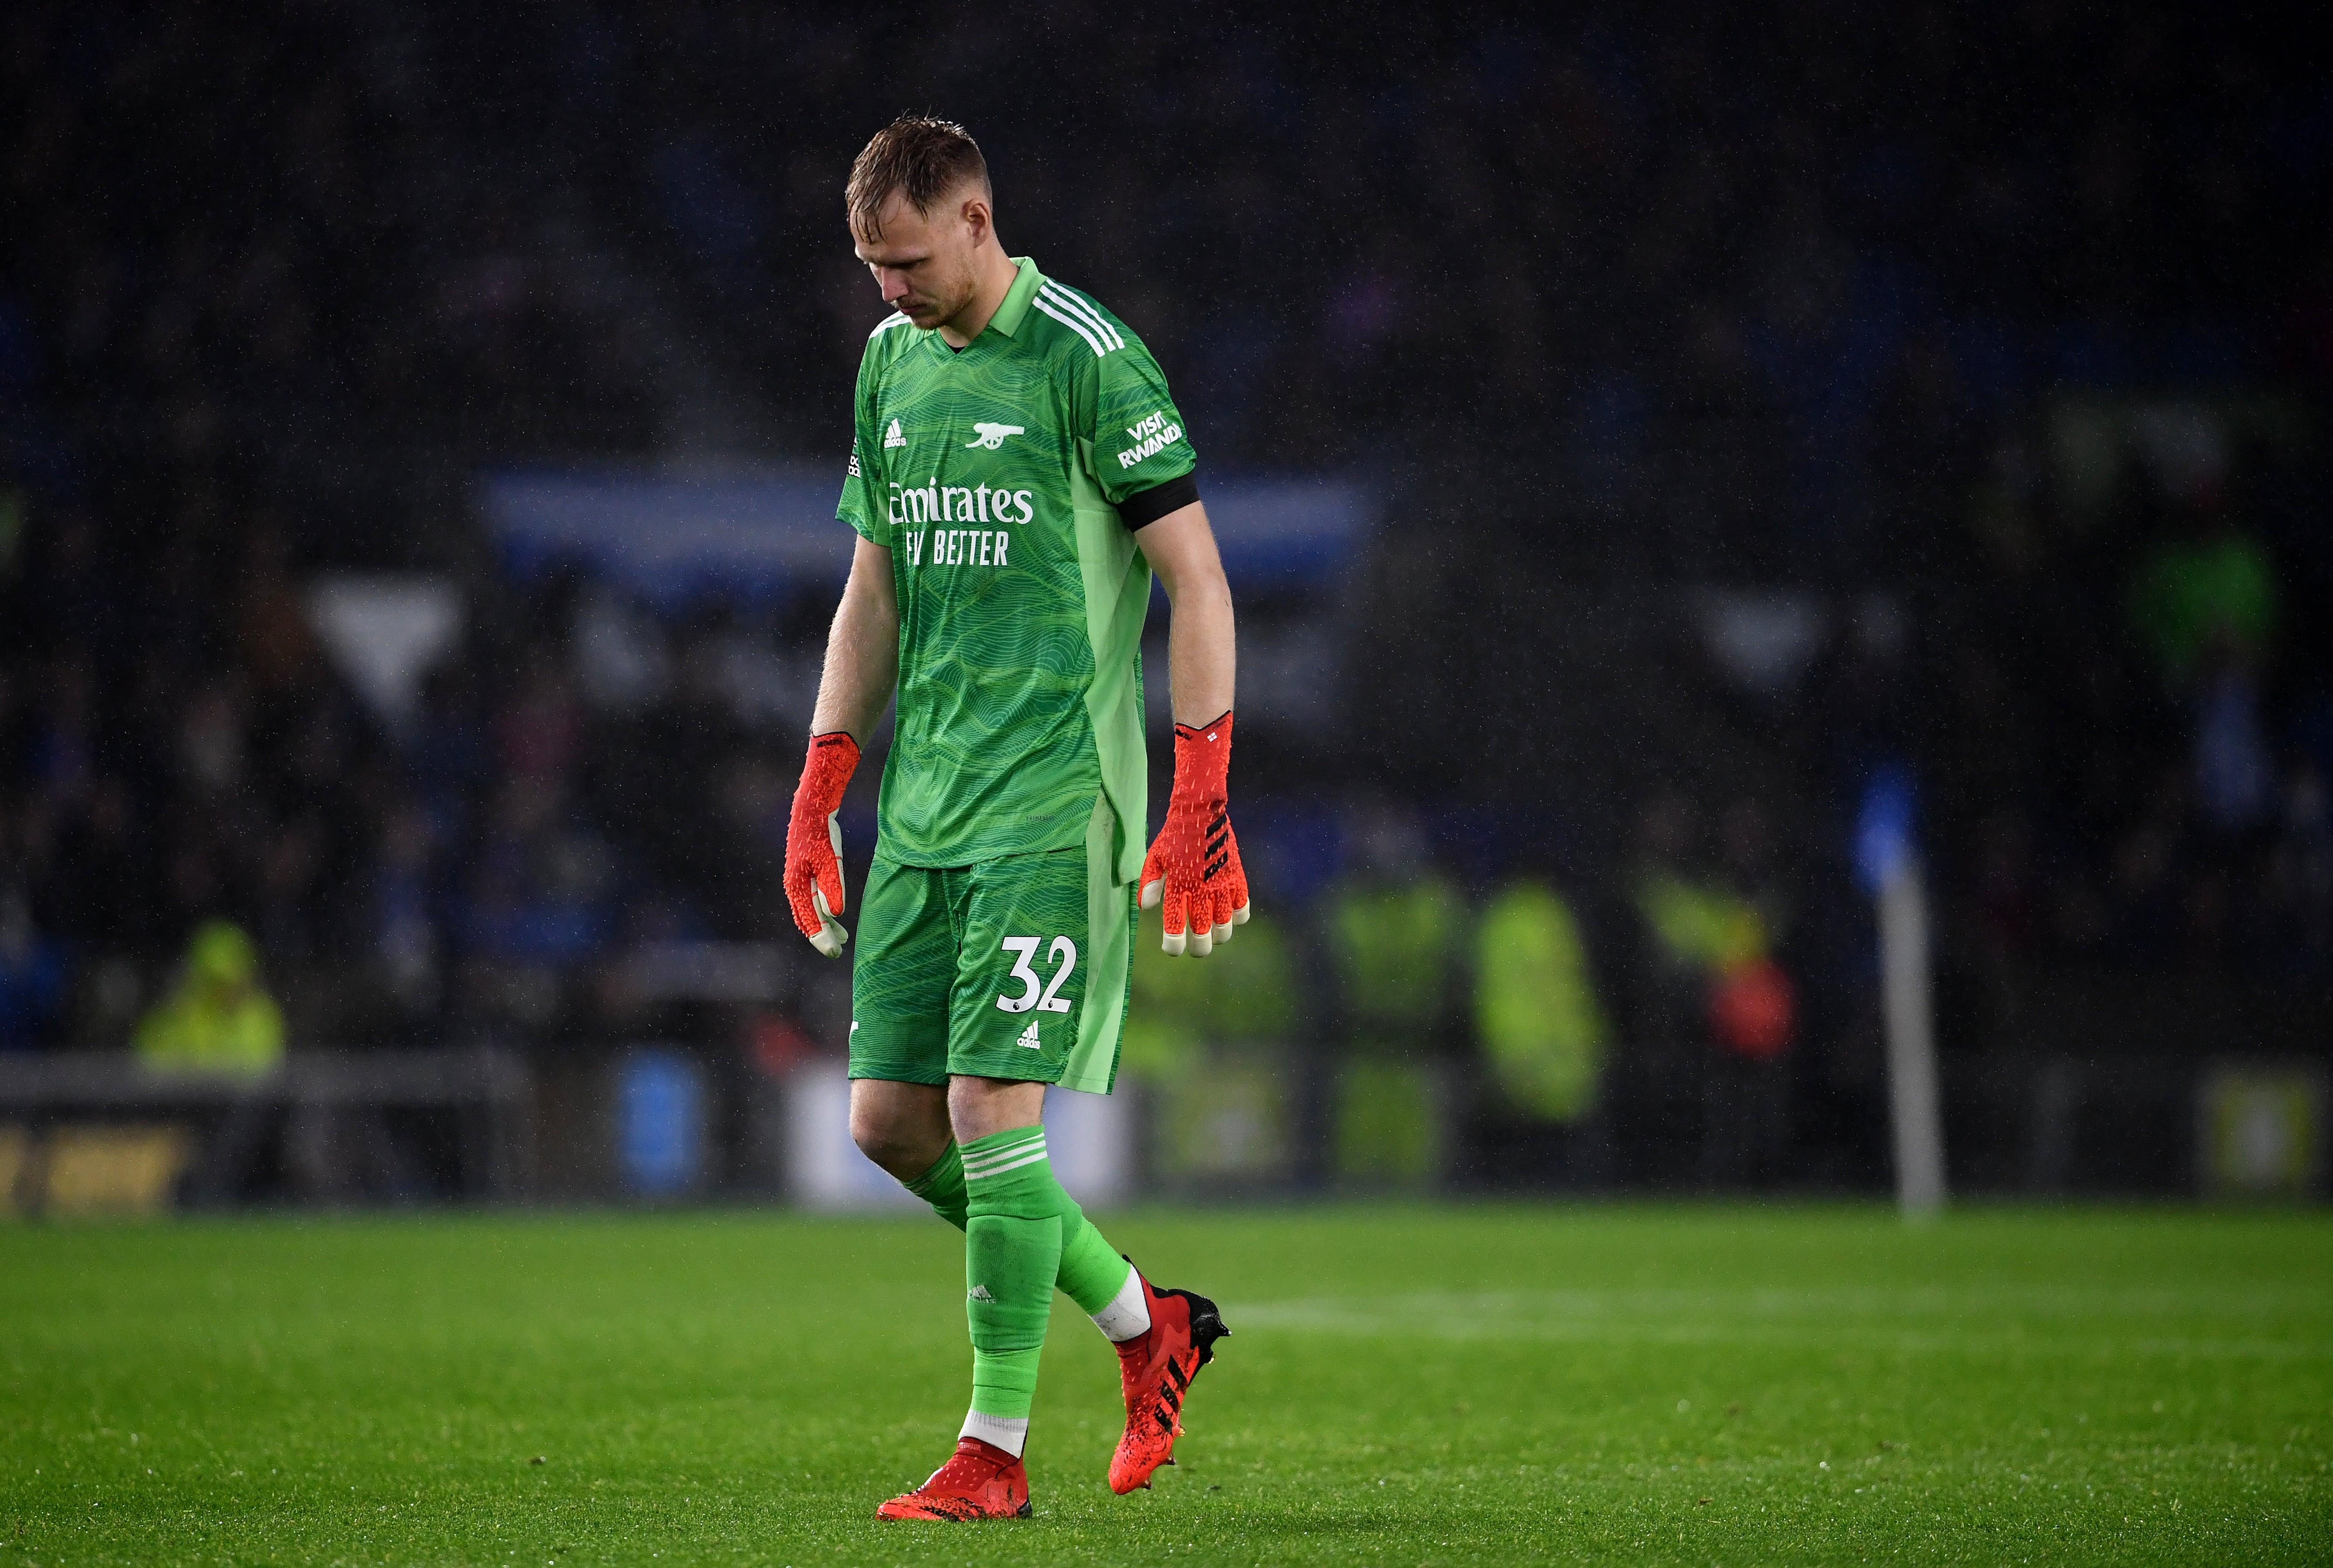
<point>942,1187</point>
<point>1013,1255</point>
<point>1004,1388</point>
<point>1092,1273</point>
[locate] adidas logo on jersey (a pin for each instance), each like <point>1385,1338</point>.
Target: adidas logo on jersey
<point>1029,1038</point>
<point>892,437</point>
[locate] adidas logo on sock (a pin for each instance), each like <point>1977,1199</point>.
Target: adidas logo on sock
<point>978,1293</point>
<point>1029,1037</point>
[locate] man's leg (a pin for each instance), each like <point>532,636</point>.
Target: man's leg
<point>901,980</point>
<point>904,1128</point>
<point>1026,1235</point>
<point>904,972</point>
<point>1012,1253</point>
<point>901,1004</point>
<point>1017,1015</point>
<point>908,992</point>
<point>1013,1249</point>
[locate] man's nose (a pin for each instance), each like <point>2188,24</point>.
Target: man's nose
<point>894,284</point>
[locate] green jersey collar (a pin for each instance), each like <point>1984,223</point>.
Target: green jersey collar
<point>1015,308</point>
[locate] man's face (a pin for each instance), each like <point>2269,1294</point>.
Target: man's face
<point>922,263</point>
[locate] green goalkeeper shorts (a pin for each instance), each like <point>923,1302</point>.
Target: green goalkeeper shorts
<point>1011,969</point>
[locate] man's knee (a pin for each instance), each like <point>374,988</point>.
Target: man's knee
<point>902,1131</point>
<point>879,1137</point>
<point>977,1107</point>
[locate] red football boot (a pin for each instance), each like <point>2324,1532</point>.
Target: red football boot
<point>980,1481</point>
<point>1155,1370</point>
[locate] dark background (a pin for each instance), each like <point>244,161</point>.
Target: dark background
<point>1987,348</point>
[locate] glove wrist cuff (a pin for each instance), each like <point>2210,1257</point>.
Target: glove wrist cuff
<point>827,769</point>
<point>1203,760</point>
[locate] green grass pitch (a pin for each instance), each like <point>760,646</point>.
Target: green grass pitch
<point>1405,1385</point>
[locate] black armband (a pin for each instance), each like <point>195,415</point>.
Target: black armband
<point>1144,507</point>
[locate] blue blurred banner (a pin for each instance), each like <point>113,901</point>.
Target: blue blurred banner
<point>661,1121</point>
<point>1290,531</point>
<point>751,534</point>
<point>765,533</point>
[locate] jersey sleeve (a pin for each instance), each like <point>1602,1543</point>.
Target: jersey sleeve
<point>1138,441</point>
<point>865,503</point>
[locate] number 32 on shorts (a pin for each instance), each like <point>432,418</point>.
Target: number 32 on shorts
<point>1035,992</point>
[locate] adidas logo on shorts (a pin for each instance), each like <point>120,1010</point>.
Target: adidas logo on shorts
<point>1029,1037</point>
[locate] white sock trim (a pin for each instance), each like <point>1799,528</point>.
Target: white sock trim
<point>986,1172</point>
<point>1010,1433</point>
<point>1010,1156</point>
<point>1127,1316</point>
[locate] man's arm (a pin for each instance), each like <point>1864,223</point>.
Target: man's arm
<point>862,665</point>
<point>1193,873</point>
<point>862,648</point>
<point>1202,657</point>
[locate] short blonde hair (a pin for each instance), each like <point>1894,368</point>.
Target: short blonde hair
<point>920,157</point>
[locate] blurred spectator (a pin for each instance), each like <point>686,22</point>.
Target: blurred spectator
<point>1181,1008</point>
<point>1535,1005</point>
<point>2302,866</point>
<point>540,729</point>
<point>2234,779</point>
<point>404,924</point>
<point>1214,1043</point>
<point>211,741</point>
<point>31,976</point>
<point>64,756</point>
<point>448,756</point>
<point>102,903</point>
<point>1395,928</point>
<point>540,891</point>
<point>2206,607</point>
<point>2207,598</point>
<point>2005,897</point>
<point>1701,930</point>
<point>1715,980</point>
<point>278,648</point>
<point>219,1019</point>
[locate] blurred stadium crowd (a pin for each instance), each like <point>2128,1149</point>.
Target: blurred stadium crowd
<point>1764,394</point>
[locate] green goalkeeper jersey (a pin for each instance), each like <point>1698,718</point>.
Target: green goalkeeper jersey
<point>995,476</point>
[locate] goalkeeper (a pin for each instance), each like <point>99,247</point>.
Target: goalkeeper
<point>1017,472</point>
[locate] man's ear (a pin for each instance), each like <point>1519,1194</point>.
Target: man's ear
<point>976,215</point>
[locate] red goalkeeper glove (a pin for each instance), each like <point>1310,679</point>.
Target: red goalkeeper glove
<point>814,842</point>
<point>1193,869</point>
